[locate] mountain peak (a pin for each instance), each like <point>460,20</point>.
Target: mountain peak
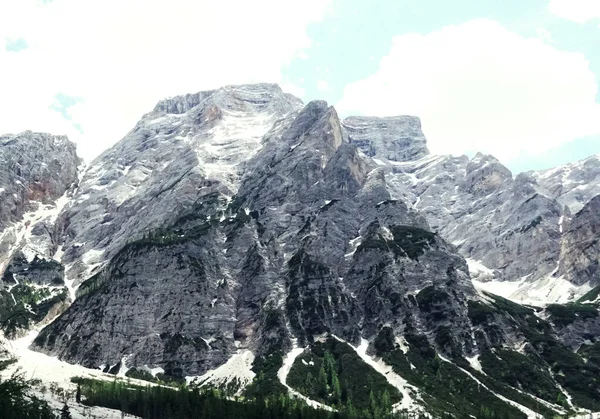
<point>396,138</point>
<point>235,97</point>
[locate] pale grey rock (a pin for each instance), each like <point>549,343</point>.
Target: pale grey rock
<point>188,147</point>
<point>580,251</point>
<point>505,223</point>
<point>573,184</point>
<point>238,218</point>
<point>311,243</point>
<point>396,138</point>
<point>34,167</point>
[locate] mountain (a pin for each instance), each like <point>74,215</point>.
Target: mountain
<point>183,150</point>
<point>511,230</point>
<point>37,176</point>
<point>238,238</point>
<point>37,169</point>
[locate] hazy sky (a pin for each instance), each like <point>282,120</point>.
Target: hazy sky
<point>514,78</point>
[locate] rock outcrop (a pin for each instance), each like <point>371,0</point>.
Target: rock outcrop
<point>580,252</point>
<point>396,138</point>
<point>239,221</point>
<point>311,243</point>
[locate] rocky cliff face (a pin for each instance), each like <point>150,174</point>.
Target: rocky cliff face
<point>185,149</point>
<point>397,138</point>
<point>240,222</point>
<point>573,185</point>
<point>508,224</point>
<point>311,244</point>
<point>36,170</point>
<point>509,228</point>
<point>579,260</point>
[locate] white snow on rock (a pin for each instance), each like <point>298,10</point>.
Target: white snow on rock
<point>542,292</point>
<point>238,369</point>
<point>594,415</point>
<point>19,234</point>
<point>502,288</point>
<point>48,369</point>
<point>354,243</point>
<point>479,271</point>
<point>474,362</point>
<point>407,390</point>
<point>402,343</point>
<point>51,371</point>
<point>236,139</point>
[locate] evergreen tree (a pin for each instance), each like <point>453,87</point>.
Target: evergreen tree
<point>336,389</point>
<point>16,401</point>
<point>323,387</point>
<point>374,406</point>
<point>310,382</point>
<point>330,366</point>
<point>386,403</point>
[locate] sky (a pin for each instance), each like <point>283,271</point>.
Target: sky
<point>517,79</point>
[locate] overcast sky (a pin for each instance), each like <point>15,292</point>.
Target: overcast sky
<point>514,78</point>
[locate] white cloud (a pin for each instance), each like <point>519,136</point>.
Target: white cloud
<point>322,86</point>
<point>121,56</point>
<point>579,11</point>
<point>544,35</point>
<point>479,87</point>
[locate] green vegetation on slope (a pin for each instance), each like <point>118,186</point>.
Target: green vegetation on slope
<point>591,353</point>
<point>591,295</point>
<point>566,314</point>
<point>25,305</point>
<point>445,387</point>
<point>266,382</point>
<point>407,241</point>
<point>579,378</point>
<point>332,373</point>
<point>157,402</point>
<point>522,372</point>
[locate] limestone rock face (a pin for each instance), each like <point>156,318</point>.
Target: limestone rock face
<point>580,252</point>
<point>37,172</point>
<point>573,185</point>
<point>36,168</point>
<point>397,138</point>
<point>188,147</point>
<point>311,243</point>
<point>508,224</point>
<point>240,219</point>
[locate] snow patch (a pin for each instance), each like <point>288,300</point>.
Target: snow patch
<point>238,369</point>
<point>48,369</point>
<point>354,243</point>
<point>22,231</point>
<point>474,362</point>
<point>407,403</point>
<point>235,139</point>
<point>402,343</point>
<point>548,290</point>
<point>479,271</point>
